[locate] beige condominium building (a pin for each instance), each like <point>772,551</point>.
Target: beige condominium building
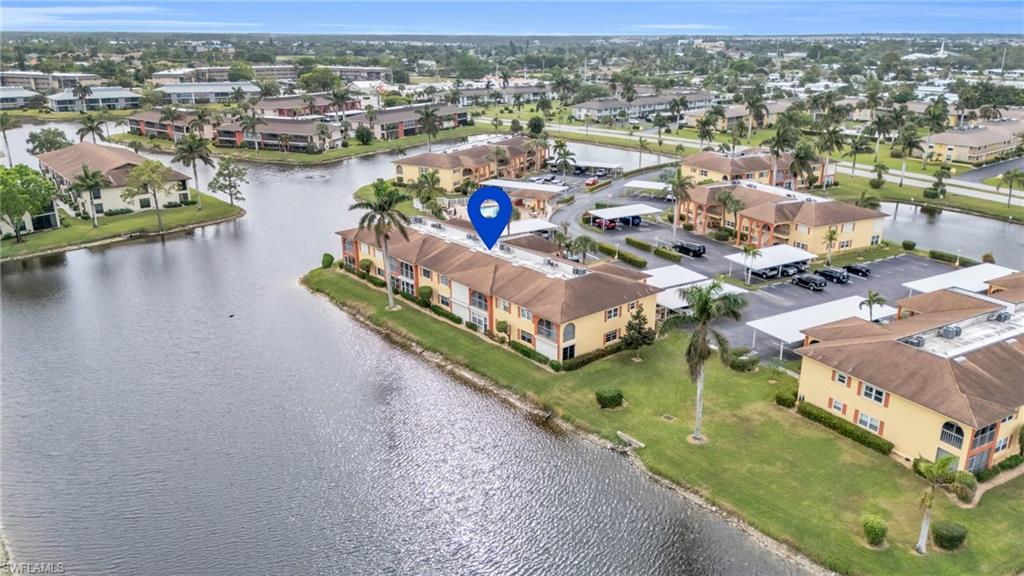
<point>65,165</point>
<point>754,164</point>
<point>945,378</point>
<point>286,134</point>
<point>771,215</point>
<point>151,123</point>
<point>505,158</point>
<point>976,144</point>
<point>557,307</point>
<point>394,123</point>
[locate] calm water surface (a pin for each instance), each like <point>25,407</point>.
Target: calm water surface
<point>184,407</point>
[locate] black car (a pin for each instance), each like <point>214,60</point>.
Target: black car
<point>834,275</point>
<point>765,273</point>
<point>788,270</point>
<point>858,270</point>
<point>693,249</point>
<point>810,282</point>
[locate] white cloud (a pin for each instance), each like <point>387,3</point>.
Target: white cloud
<point>114,15</point>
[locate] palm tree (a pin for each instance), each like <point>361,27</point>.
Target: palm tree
<point>936,117</point>
<point>707,304</point>
<point>830,239</point>
<point>339,99</point>
<point>91,126</point>
<point>878,128</point>
<point>238,95</point>
<point>429,122</point>
<point>909,142</point>
<point>499,156</point>
<point>89,181</point>
<point>497,123</point>
<point>804,161</point>
<point>1009,178</point>
<point>285,141</point>
<point>564,158</point>
<point>7,122</point>
<point>426,189</point>
<point>200,119</point>
<point>873,299</point>
<point>191,151</point>
<point>679,186</point>
<point>757,110</point>
<point>81,92</point>
<point>785,138</point>
<point>677,106</point>
<point>865,201</point>
<point>830,140</point>
<point>938,474</point>
<point>706,129</point>
<point>730,203</point>
<point>859,144</point>
<point>169,115</point>
<point>644,147</point>
<point>750,253</point>
<point>660,122</point>
<point>383,217</point>
<point>323,133</point>
<point>250,125</point>
<point>581,245</point>
<point>990,112</point>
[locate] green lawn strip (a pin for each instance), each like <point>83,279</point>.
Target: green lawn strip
<point>365,193</point>
<point>355,149</point>
<point>850,188</point>
<point>791,478</point>
<point>48,116</point>
<point>625,142</point>
<point>866,161</point>
<point>864,255</point>
<point>81,231</point>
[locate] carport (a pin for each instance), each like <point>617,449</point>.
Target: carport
<point>517,185</point>
<point>612,167</point>
<point>771,257</point>
<point>674,278</point>
<point>971,279</point>
<point>659,189</point>
<point>788,327</point>
<point>627,211</point>
<point>528,226</point>
<point>670,299</point>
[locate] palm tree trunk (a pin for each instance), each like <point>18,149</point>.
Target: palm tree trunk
<point>387,276</point>
<point>903,172</point>
<point>699,414</point>
<point>195,178</point>
<point>1009,198</point>
<point>922,538</point>
<point>878,142</point>
<point>7,146</point>
<point>92,205</point>
<point>675,217</point>
<point>159,217</point>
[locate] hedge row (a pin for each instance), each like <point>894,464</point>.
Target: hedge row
<point>848,429</point>
<point>787,396</point>
<point>528,352</point>
<point>1008,464</point>
<point>444,313</point>
<point>584,359</point>
<point>668,254</point>
<point>632,259</point>
<point>645,246</point>
<point>607,249</point>
<point>951,258</point>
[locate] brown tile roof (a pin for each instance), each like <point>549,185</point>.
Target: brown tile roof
<point>531,194</point>
<point>405,113</point>
<point>281,102</point>
<point>534,243</point>
<point>472,157</point>
<point>272,125</point>
<point>560,300</point>
<point>621,271</point>
<point>154,116</point>
<point>772,208</point>
<point>735,165</point>
<point>832,213</point>
<point>112,161</point>
<point>985,386</point>
<point>1008,282</point>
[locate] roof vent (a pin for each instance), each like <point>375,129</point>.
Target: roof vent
<point>579,271</point>
<point>950,332</point>
<point>1011,341</point>
<point>417,220</point>
<point>436,225</point>
<point>470,236</point>
<point>960,359</point>
<point>505,248</point>
<point>915,341</point>
<point>1003,316</point>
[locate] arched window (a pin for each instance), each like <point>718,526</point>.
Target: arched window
<point>569,333</point>
<point>952,434</point>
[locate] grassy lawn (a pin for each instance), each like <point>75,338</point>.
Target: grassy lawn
<point>793,479</point>
<point>624,142</point>
<point>336,154</point>
<point>414,79</point>
<point>867,161</point>
<point>366,193</point>
<point>850,188</point>
<point>48,116</point>
<point>80,231</point>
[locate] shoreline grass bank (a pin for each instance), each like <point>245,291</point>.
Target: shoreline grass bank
<point>790,479</point>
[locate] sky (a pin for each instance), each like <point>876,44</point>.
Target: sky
<point>526,17</point>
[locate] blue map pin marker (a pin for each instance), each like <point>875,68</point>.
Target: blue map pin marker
<point>489,225</point>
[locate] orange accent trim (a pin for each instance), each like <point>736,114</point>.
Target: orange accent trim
<point>844,409</point>
<point>856,416</point>
<point>885,402</point>
<point>860,386</point>
<point>881,427</point>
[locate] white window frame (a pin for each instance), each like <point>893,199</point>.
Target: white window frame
<point>614,336</point>
<point>525,314</point>
<point>837,406</point>
<point>873,393</point>
<point>611,314</point>
<point>842,378</point>
<point>1003,443</point>
<point>866,421</point>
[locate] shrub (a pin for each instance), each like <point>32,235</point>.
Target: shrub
<point>502,326</point>
<point>327,260</point>
<point>365,265</point>
<point>632,259</point>
<point>362,275</point>
<point>172,205</point>
<point>444,313</point>
<point>555,365</point>
<point>607,249</point>
<point>723,234</point>
<point>423,302</point>
<point>948,535</point>
<point>876,183</point>
<point>118,211</point>
<point>987,474</point>
<point>896,153</point>
<point>988,258</point>
<point>909,244</point>
<point>916,465</point>
<point>609,398</point>
<point>875,529</point>
<point>189,202</point>
<point>786,397</point>
<point>848,429</point>
<point>742,360</point>
<point>668,254</point>
<point>378,282</point>
<point>688,227</point>
<point>584,359</point>
<point>932,193</point>
<point>645,246</point>
<point>528,352</point>
<point>1011,462</point>
<point>941,256</point>
<point>566,200</point>
<point>472,327</point>
<point>425,292</point>
<point>965,486</point>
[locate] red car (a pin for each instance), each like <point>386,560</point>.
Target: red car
<point>604,224</point>
<point>592,181</point>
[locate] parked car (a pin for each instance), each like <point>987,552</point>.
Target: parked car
<point>592,181</point>
<point>765,273</point>
<point>803,266</point>
<point>558,182</point>
<point>604,224</point>
<point>694,249</point>
<point>579,170</point>
<point>858,270</point>
<point>553,168</point>
<point>836,275</point>
<point>810,282</point>
<point>537,179</point>
<point>788,270</point>
<point>601,173</point>
<point>550,178</point>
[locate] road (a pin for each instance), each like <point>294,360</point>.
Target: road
<point>979,174</point>
<point>956,186</point>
